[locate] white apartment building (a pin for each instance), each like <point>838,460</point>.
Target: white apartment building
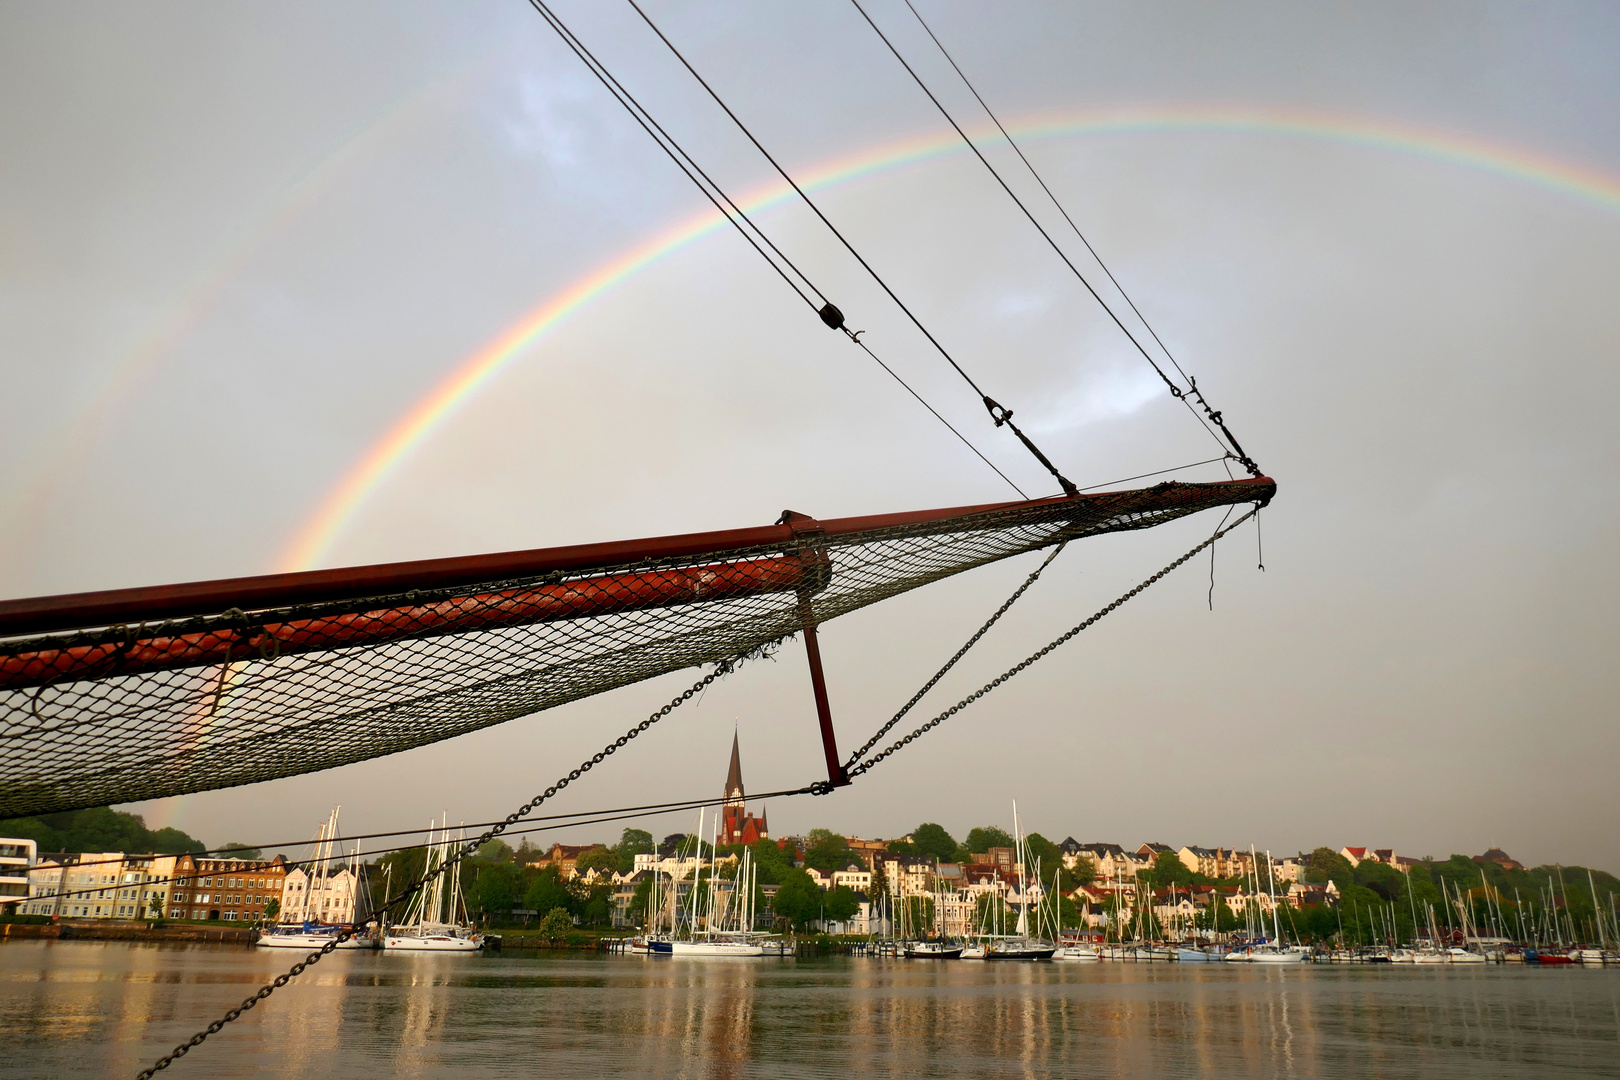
<point>101,885</point>
<point>17,858</point>
<point>307,899</point>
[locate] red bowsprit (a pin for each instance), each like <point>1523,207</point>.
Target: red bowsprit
<point>143,693</point>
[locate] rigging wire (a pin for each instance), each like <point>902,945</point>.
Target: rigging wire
<point>826,311</point>
<point>1213,415</point>
<point>998,413</point>
<point>940,674</point>
<point>1041,653</point>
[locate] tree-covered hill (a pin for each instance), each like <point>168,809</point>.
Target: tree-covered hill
<point>100,828</point>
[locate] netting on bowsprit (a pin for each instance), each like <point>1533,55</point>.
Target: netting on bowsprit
<point>220,698</point>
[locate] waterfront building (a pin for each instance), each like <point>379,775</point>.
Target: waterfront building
<point>868,851</point>
<point>1200,860</point>
<point>308,897</point>
<point>1112,860</point>
<point>564,857</point>
<point>855,876</point>
<point>1002,858</point>
<point>100,885</point>
<point>906,875</point>
<point>232,890</point>
<point>737,825</point>
<point>17,858</point>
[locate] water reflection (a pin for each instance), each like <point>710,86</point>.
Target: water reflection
<point>73,1009</point>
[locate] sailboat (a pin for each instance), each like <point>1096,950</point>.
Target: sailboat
<point>436,921</point>
<point>314,932</point>
<point>1274,951</point>
<point>1020,945</point>
<point>727,915</point>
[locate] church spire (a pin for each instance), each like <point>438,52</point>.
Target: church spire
<point>734,783</point>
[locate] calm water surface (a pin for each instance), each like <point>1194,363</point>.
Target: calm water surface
<point>70,1009</point>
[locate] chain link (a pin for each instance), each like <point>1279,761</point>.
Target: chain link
<point>722,668</point>
<point>989,686</point>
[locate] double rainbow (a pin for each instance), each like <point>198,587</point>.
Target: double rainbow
<point>310,544</point>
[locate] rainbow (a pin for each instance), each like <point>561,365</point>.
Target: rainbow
<point>309,545</point>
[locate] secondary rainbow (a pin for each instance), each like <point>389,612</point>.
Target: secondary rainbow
<point>309,545</point>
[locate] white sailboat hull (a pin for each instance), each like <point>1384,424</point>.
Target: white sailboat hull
<point>716,948</point>
<point>308,942</point>
<point>432,943</point>
<point>1085,954</point>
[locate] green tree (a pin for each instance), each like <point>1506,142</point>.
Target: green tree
<point>1325,864</point>
<point>1049,854</point>
<point>1383,879</point>
<point>272,909</point>
<point>1084,872</point>
<point>931,839</point>
<point>98,828</point>
<point>840,904</point>
<point>901,847</point>
<point>496,850</point>
<point>556,926</point>
<point>986,837</point>
<point>632,842</point>
<point>798,899</point>
<point>495,891</point>
<point>774,862</point>
<point>1168,869</point>
<point>827,850</point>
<point>235,850</point>
<point>546,893</point>
<point>600,858</point>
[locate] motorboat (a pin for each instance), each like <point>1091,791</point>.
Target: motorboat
<point>1192,956</point>
<point>931,950</point>
<point>1081,953</point>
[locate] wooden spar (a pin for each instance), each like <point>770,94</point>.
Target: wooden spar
<point>577,599</point>
<point>77,611</point>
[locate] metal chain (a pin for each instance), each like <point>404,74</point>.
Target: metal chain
<point>987,687</point>
<point>940,674</point>
<point>722,668</point>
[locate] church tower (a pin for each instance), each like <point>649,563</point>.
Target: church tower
<point>737,826</point>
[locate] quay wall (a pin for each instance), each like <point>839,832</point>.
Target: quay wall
<point>125,930</point>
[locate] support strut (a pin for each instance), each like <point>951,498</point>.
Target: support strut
<point>808,528</point>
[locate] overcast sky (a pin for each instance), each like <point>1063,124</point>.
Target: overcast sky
<point>239,242</point>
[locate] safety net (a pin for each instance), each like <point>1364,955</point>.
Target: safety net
<point>146,693</point>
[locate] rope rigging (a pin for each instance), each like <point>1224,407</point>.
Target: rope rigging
<point>1212,415</point>
<point>834,318</point>
<point>827,311</point>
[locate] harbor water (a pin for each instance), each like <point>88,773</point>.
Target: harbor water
<point>81,1009</point>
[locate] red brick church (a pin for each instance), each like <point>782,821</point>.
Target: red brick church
<point>736,825</point>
